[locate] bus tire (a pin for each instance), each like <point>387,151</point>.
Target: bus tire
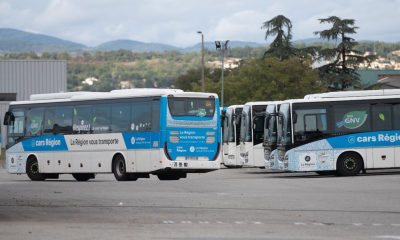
<point>119,169</point>
<point>32,169</point>
<point>168,177</point>
<point>82,177</point>
<point>349,164</point>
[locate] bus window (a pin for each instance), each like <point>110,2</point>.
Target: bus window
<point>155,116</point>
<point>396,111</point>
<point>381,117</point>
<point>17,126</point>
<point>34,122</point>
<point>310,123</point>
<point>63,121</point>
<point>101,118</point>
<point>140,116</point>
<point>352,119</point>
<point>81,120</point>
<point>120,117</point>
<point>49,120</point>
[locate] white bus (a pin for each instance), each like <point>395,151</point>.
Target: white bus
<point>346,132</point>
<point>130,133</point>
<point>252,134</point>
<point>271,135</point>
<point>231,136</point>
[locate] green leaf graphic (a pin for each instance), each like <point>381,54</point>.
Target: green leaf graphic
<point>382,116</point>
<point>75,111</point>
<point>49,122</point>
<point>94,119</point>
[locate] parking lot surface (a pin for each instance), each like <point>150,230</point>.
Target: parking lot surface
<point>246,203</point>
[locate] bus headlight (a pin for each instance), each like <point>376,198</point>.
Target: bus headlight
<point>267,154</point>
<point>272,161</point>
<point>286,161</point>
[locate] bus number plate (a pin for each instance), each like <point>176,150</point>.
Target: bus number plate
<point>181,164</point>
<point>191,158</point>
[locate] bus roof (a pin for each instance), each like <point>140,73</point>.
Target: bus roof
<point>262,103</point>
<point>115,94</point>
<point>343,94</point>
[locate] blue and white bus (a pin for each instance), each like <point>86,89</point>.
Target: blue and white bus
<point>346,132</point>
<point>252,133</point>
<point>231,144</point>
<point>131,133</point>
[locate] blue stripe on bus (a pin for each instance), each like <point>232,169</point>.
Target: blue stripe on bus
<point>369,139</point>
<point>45,143</point>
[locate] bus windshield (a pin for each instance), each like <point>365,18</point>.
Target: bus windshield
<point>245,133</point>
<point>270,125</point>
<point>191,107</point>
<point>228,126</point>
<point>285,128</point>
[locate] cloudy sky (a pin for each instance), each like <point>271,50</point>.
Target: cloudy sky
<point>175,22</point>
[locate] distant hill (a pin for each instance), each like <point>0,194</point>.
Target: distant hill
<point>134,46</point>
<point>13,34</point>
<point>12,40</point>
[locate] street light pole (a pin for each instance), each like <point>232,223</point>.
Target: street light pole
<point>222,48</point>
<point>202,61</point>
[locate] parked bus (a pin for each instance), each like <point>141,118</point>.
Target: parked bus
<point>346,132</point>
<point>231,136</point>
<point>252,134</point>
<point>130,133</point>
<point>271,136</point>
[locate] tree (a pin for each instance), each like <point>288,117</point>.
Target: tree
<point>282,46</point>
<point>267,79</point>
<point>340,73</point>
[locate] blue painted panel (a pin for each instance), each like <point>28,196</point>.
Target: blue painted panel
<point>369,139</point>
<point>45,143</point>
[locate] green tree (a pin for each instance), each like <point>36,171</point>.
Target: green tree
<point>267,79</point>
<point>340,73</point>
<point>282,46</point>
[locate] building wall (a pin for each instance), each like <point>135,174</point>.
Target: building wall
<point>27,77</point>
<point>371,77</point>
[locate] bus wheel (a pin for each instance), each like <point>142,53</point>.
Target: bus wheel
<point>166,177</point>
<point>82,177</point>
<point>349,164</point>
<point>32,169</point>
<point>120,169</point>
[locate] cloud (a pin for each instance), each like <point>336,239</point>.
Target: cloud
<point>176,22</point>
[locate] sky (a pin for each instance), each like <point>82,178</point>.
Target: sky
<point>176,22</point>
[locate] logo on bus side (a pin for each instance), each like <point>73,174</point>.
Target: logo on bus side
<point>133,140</point>
<point>191,149</point>
<point>307,158</point>
<point>352,120</point>
<point>352,139</point>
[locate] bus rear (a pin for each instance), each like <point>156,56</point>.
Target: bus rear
<point>192,132</point>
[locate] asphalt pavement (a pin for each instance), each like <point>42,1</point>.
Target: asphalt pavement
<point>246,203</point>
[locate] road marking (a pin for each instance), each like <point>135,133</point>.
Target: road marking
<point>168,221</point>
<point>299,223</point>
<point>391,237</point>
<point>186,222</point>
<point>257,222</point>
<point>357,224</point>
<point>203,222</point>
<point>240,222</point>
<point>319,224</point>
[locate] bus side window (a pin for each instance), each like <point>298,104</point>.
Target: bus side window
<point>120,117</point>
<point>396,112</point>
<point>140,118</point>
<point>49,121</point>
<point>82,120</point>
<point>381,117</point>
<point>155,116</point>
<point>101,118</point>
<point>34,122</point>
<point>63,121</point>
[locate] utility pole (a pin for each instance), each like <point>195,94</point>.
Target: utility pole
<point>202,61</point>
<point>222,48</point>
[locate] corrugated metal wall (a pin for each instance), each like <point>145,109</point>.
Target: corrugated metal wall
<point>27,77</point>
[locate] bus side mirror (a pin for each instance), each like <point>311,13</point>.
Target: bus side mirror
<point>294,118</point>
<point>8,118</point>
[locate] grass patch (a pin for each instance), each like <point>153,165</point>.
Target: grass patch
<point>3,155</point>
